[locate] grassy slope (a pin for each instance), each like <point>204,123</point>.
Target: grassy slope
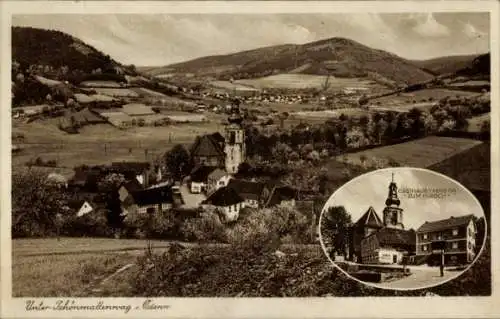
<point>448,64</point>
<point>418,153</point>
<point>44,139</point>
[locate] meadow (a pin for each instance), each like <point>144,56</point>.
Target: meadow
<point>307,81</point>
<point>102,143</point>
<point>417,153</point>
<point>422,96</point>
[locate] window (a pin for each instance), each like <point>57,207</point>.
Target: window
<point>425,236</point>
<point>424,247</point>
<point>454,245</point>
<point>470,245</point>
<point>455,232</point>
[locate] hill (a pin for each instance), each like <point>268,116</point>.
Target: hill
<point>446,64</point>
<point>60,54</point>
<point>338,56</point>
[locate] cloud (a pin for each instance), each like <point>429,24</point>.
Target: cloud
<point>430,27</point>
<point>472,32</point>
<point>160,39</point>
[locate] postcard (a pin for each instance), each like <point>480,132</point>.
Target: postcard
<point>249,159</point>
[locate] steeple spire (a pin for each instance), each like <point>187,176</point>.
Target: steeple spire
<point>392,197</point>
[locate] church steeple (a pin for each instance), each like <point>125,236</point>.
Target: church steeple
<point>393,214</point>
<point>234,140</point>
<point>392,198</point>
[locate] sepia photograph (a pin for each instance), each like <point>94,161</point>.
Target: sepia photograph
<point>195,154</point>
<point>422,230</point>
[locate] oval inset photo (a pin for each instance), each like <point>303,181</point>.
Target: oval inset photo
<point>402,228</point>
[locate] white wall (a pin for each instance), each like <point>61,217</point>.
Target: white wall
<point>385,256</point>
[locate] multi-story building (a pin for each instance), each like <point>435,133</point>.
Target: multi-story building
<point>458,234</point>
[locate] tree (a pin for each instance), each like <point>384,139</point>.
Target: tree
<point>281,152</point>
<point>335,225</point>
<point>36,202</point>
<point>108,188</point>
<point>178,161</point>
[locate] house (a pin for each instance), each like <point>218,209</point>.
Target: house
<point>85,208</point>
<point>126,189</point>
<point>148,201</point>
<point>216,179</point>
<point>199,178</point>
<point>367,224</point>
<point>207,150</point>
<point>387,246</point>
<point>227,201</point>
<point>459,235</point>
<point>251,192</point>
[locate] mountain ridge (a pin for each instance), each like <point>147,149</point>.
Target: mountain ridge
<point>337,56</point>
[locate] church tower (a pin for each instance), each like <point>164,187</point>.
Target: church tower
<point>393,215</point>
<point>234,141</point>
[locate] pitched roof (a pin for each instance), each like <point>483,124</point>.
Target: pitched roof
<point>153,196</point>
<point>207,146</point>
<point>217,173</point>
<point>224,196</point>
<point>471,168</point>
<point>395,237</point>
<point>370,218</point>
<point>445,223</point>
<point>247,189</point>
<point>200,173</point>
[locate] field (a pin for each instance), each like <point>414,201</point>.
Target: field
<point>418,153</point>
<point>116,92</point>
<point>475,123</point>
<point>328,113</point>
<point>306,81</point>
<point>422,96</point>
<point>148,93</point>
<point>102,84</point>
<point>236,85</point>
<point>102,143</point>
<point>403,107</point>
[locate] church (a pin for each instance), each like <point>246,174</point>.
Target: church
<point>382,241</point>
<point>216,151</point>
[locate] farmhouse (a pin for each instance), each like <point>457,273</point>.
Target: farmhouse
<point>216,179</point>
<point>251,192</point>
<point>227,201</point>
<point>281,195</point>
<point>153,200</point>
<point>199,178</point>
<point>458,233</point>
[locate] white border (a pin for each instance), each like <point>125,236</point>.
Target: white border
<point>354,307</point>
<point>396,169</point>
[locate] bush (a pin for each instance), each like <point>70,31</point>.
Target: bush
<point>208,227</point>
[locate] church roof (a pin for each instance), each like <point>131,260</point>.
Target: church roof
<point>445,223</point>
<point>208,146</point>
<point>370,218</point>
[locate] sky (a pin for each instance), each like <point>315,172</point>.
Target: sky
<point>372,189</point>
<point>161,39</point>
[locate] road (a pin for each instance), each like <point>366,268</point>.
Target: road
<point>420,278</point>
